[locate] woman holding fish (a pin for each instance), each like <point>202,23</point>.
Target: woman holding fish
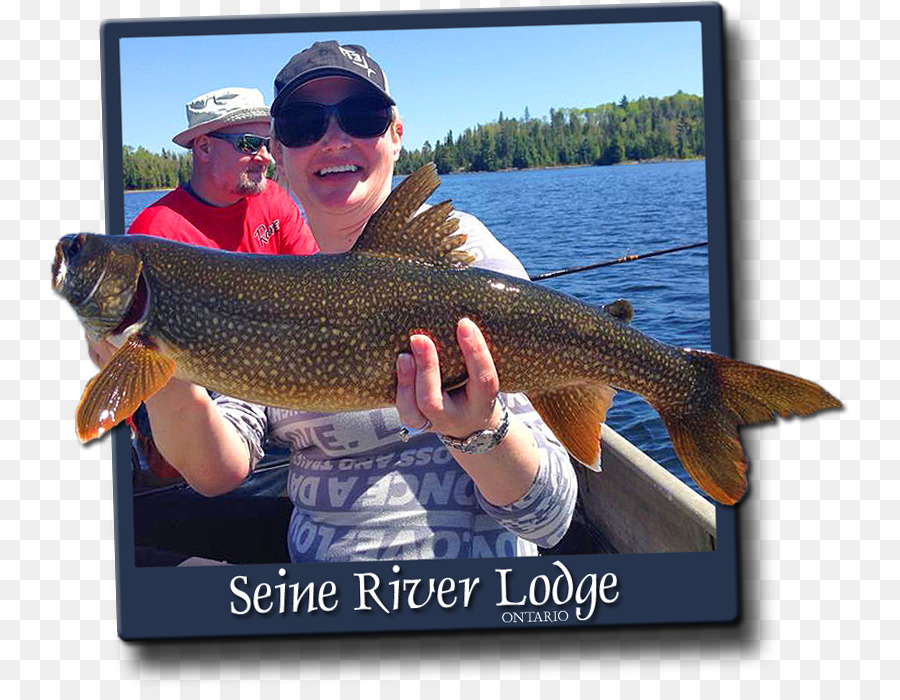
<point>458,473</point>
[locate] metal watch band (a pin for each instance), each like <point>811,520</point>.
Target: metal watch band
<point>481,441</point>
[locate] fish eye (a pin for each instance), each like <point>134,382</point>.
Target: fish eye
<point>74,247</point>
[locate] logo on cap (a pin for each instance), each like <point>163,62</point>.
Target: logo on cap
<point>358,59</point>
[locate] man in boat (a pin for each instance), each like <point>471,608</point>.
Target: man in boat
<point>230,204</point>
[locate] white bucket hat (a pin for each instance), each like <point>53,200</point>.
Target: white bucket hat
<point>221,108</point>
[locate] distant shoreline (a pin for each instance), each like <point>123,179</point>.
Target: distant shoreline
<point>152,189</point>
<point>648,161</point>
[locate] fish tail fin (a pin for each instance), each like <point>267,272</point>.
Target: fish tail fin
<point>730,393</point>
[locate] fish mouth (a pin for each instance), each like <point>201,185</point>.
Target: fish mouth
<point>59,269</point>
<point>69,248</point>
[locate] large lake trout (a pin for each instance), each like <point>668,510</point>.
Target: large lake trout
<point>322,333</point>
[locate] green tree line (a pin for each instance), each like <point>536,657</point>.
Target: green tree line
<point>641,129</point>
<point>632,130</point>
<point>144,170</point>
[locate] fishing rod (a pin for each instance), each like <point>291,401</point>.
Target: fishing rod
<point>623,259</point>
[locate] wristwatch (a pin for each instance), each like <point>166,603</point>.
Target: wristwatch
<point>481,441</point>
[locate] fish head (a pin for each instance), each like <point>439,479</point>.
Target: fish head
<point>100,276</point>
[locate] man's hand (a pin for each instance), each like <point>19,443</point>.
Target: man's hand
<point>100,351</point>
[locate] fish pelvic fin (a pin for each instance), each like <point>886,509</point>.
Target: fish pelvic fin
<point>395,230</point>
<point>574,413</point>
<point>135,372</point>
<point>732,393</point>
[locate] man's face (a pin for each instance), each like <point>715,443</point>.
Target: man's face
<point>340,174</point>
<point>233,172</point>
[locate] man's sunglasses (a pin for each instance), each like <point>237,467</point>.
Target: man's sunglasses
<point>304,123</point>
<point>245,143</point>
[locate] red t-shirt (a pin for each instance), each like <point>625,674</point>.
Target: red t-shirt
<point>265,223</point>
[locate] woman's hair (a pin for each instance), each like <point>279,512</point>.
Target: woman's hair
<point>395,117</point>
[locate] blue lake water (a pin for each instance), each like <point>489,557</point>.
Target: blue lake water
<point>564,217</point>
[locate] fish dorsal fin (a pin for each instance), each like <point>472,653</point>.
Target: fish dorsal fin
<point>430,237</point>
<point>574,414</point>
<point>620,309</point>
<point>135,372</point>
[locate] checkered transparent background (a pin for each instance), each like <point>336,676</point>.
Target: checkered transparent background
<point>813,103</point>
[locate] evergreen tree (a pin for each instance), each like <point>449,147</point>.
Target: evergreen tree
<point>638,129</point>
<point>143,170</point>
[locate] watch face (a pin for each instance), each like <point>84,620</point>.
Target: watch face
<point>481,440</point>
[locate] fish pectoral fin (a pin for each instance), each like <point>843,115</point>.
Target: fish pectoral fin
<point>135,372</point>
<point>395,230</point>
<point>574,414</point>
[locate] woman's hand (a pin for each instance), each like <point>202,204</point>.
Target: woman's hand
<point>459,413</point>
<point>504,474</point>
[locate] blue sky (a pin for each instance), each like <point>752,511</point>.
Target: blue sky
<point>442,79</point>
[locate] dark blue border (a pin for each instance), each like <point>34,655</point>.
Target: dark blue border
<point>653,588</point>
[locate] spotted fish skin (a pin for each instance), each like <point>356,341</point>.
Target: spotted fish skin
<point>322,333</point>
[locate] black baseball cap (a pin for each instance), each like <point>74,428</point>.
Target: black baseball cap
<point>325,59</point>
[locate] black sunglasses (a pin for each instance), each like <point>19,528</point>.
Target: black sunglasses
<point>245,143</point>
<point>304,123</point>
